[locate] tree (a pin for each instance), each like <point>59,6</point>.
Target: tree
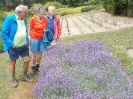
<point>11,4</point>
<point>64,1</point>
<point>29,2</point>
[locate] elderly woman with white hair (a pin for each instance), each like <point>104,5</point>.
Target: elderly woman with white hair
<point>53,24</point>
<point>36,30</point>
<point>14,35</point>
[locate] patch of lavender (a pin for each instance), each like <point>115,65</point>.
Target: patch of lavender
<point>82,70</point>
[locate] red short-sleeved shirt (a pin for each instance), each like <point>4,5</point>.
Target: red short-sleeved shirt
<point>37,28</point>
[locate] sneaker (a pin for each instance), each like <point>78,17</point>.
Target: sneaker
<point>25,78</point>
<point>37,67</point>
<point>14,83</point>
<point>33,70</point>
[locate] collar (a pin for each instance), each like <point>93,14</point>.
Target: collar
<point>51,17</point>
<point>17,18</point>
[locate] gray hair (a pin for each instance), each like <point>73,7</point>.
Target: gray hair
<point>20,8</point>
<point>51,7</point>
<point>40,10</point>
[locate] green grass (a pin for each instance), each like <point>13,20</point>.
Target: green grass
<point>1,44</point>
<point>6,91</point>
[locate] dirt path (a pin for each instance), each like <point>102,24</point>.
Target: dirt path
<point>23,91</point>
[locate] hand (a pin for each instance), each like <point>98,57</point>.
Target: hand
<point>28,43</point>
<point>14,46</point>
<point>29,38</point>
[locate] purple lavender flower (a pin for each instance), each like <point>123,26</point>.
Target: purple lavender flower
<point>82,70</point>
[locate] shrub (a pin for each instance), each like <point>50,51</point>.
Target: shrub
<point>98,7</point>
<point>56,4</point>
<point>66,11</point>
<point>82,70</point>
<point>88,8</point>
<point>2,7</point>
<point>2,16</point>
<point>1,45</point>
<point>108,5</point>
<point>32,10</point>
<point>92,2</point>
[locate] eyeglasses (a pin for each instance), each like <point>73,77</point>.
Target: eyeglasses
<point>24,13</point>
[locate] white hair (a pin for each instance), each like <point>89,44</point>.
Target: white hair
<point>51,7</point>
<point>20,8</point>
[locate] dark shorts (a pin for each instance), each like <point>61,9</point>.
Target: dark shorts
<point>22,51</point>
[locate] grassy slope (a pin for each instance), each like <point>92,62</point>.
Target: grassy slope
<point>6,91</point>
<point>118,42</point>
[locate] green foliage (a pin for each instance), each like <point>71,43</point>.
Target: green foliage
<point>108,5</point>
<point>66,11</point>
<point>1,45</point>
<point>98,7</point>
<point>32,10</point>
<point>130,12</point>
<point>2,8</point>
<point>56,4</point>
<point>88,8</point>
<point>126,59</point>
<point>119,7</point>
<point>2,16</point>
<point>92,2</point>
<point>41,1</point>
<point>29,3</point>
<point>74,3</point>
<point>11,4</point>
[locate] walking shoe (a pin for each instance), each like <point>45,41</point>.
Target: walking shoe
<point>37,67</point>
<point>25,78</point>
<point>33,70</point>
<point>14,83</point>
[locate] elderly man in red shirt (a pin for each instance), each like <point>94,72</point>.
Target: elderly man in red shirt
<point>53,24</point>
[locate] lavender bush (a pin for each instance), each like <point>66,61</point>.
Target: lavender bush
<point>82,70</point>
